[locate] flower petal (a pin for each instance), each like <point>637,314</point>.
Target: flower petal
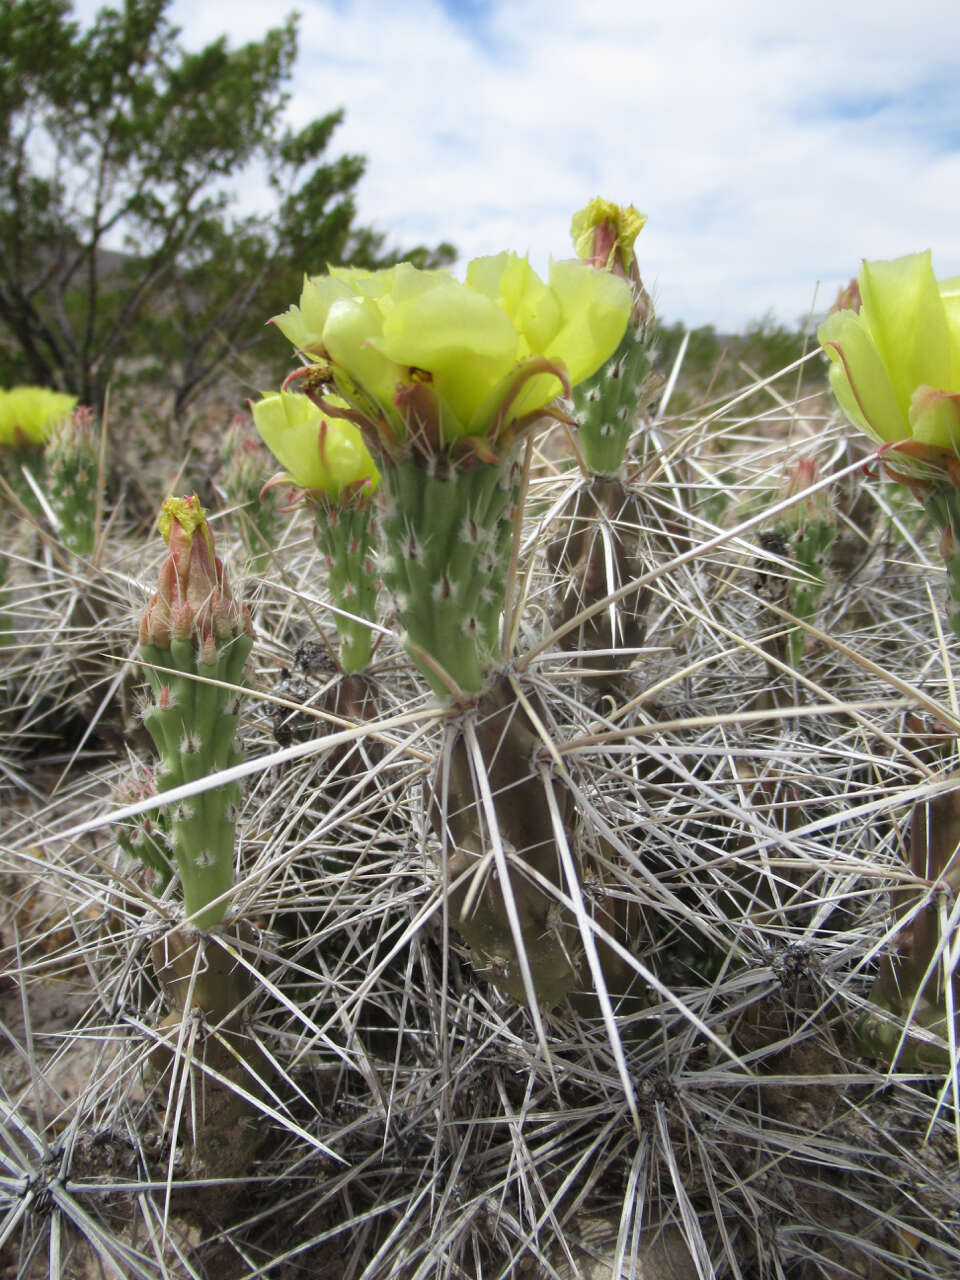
<point>859,377</point>
<point>318,454</point>
<point>907,320</point>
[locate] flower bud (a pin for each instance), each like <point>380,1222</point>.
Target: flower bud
<point>319,454</point>
<point>603,236</point>
<point>193,599</point>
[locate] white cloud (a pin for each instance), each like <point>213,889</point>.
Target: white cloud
<point>771,145</point>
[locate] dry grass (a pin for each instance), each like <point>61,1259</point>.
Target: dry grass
<point>739,823</point>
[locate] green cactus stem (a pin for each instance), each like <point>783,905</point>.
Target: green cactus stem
<point>73,476</point>
<point>803,533</point>
<point>597,549</point>
<point>195,629</point>
<point>447,528</point>
<point>607,405</point>
<point>345,530</point>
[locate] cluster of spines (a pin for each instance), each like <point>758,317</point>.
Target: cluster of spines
<point>447,546</point>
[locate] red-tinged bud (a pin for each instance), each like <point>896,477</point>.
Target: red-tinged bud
<point>603,236</point>
<point>181,622</point>
<point>208,652</point>
<point>155,624</point>
<point>801,475</point>
<point>163,698</point>
<point>848,298</point>
<point>193,598</point>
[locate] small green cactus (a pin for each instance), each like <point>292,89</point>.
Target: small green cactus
<point>807,530</point>
<point>327,459</point>
<point>245,469</point>
<point>344,531</point>
<point>72,470</point>
<point>606,406</point>
<point>194,628</point>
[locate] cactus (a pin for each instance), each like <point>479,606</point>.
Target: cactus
<point>607,404</point>
<point>606,407</point>
<point>344,532</point>
<point>194,628</point>
<point>805,531</point>
<point>328,461</point>
<point>244,470</point>
<point>448,536</point>
<point>598,546</point>
<point>72,468</point>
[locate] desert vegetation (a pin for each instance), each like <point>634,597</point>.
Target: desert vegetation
<point>518,841</point>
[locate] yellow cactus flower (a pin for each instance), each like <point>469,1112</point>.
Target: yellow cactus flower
<point>318,454</point>
<point>28,415</point>
<point>895,363</point>
<point>422,357</point>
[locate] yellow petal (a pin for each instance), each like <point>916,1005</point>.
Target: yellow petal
<point>596,307</point>
<point>905,314</point>
<point>859,377</point>
<point>318,453</point>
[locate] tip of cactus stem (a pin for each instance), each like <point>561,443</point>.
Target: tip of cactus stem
<point>193,598</point>
<point>208,652</point>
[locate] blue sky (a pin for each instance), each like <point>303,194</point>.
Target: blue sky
<point>771,146</point>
